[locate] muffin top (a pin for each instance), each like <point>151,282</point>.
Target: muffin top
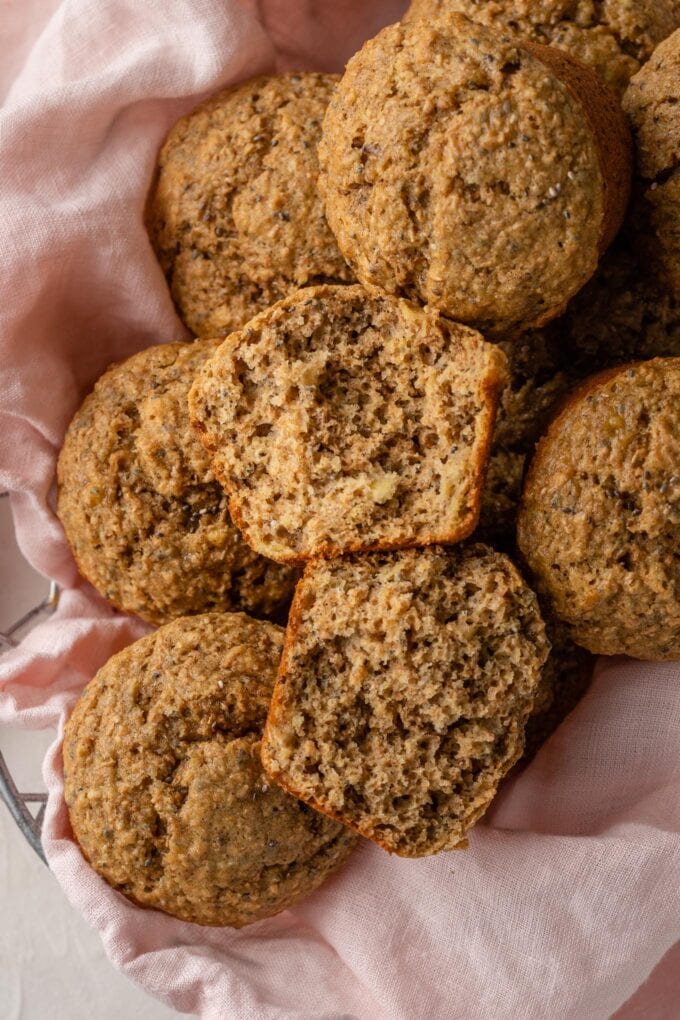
<point>164,785</point>
<point>652,101</point>
<point>469,173</point>
<point>599,523</point>
<point>145,517</point>
<point>233,213</point>
<point>613,38</point>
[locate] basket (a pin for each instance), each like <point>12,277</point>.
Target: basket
<point>26,808</point>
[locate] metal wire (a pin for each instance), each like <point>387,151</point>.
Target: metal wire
<point>17,802</point>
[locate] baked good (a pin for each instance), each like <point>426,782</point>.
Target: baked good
<point>406,681</point>
<point>146,520</point>
<point>613,38</point>
<point>652,101</point>
<point>599,523</point>
<point>342,421</point>
<point>164,784</point>
<point>623,314</point>
<point>538,378</point>
<point>464,171</point>
<point>233,213</point>
<point>565,677</point>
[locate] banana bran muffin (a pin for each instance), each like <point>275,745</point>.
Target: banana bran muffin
<point>565,678</point>
<point>404,688</point>
<point>233,213</point>
<point>537,379</point>
<point>623,314</point>
<point>467,172</point>
<point>145,517</point>
<point>343,421</point>
<point>613,37</point>
<point>164,784</point>
<point>652,102</point>
<point>599,524</point>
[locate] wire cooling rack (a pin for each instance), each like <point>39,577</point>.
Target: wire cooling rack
<point>27,809</point>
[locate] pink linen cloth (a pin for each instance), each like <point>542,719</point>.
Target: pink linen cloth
<point>569,896</point>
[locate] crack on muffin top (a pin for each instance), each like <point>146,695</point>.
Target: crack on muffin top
<point>613,38</point>
<point>234,214</point>
<point>146,519</point>
<point>164,783</point>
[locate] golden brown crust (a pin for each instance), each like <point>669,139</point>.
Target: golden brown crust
<point>233,212</point>
<point>610,130</point>
<point>164,784</point>
<point>463,170</point>
<point>652,101</point>
<point>600,510</point>
<point>614,38</point>
<point>560,411</point>
<point>146,520</point>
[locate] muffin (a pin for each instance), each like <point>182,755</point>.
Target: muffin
<point>342,421</point>
<point>599,524</point>
<point>164,784</point>
<point>537,380</point>
<point>143,513</point>
<point>565,677</point>
<point>405,684</point>
<point>613,38</point>
<point>467,172</point>
<point>652,102</point>
<point>233,213</point>
<point>623,314</point>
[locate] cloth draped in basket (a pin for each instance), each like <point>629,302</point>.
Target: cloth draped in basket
<point>569,896</point>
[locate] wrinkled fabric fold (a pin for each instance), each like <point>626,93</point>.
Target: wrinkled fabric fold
<point>567,903</point>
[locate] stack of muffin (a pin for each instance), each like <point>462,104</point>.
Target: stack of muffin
<point>394,278</point>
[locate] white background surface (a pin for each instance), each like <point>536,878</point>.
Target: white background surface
<point>52,965</point>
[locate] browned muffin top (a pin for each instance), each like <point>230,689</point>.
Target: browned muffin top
<point>652,102</point>
<point>234,214</point>
<point>164,785</point>
<point>612,37</point>
<point>599,524</point>
<point>145,517</point>
<point>464,171</point>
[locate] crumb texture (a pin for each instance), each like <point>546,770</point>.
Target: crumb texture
<point>234,214</point>
<point>614,38</point>
<point>343,421</point>
<point>164,785</point>
<point>461,171</point>
<point>405,685</point>
<point>652,103</point>
<point>145,517</point>
<point>600,519</point>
